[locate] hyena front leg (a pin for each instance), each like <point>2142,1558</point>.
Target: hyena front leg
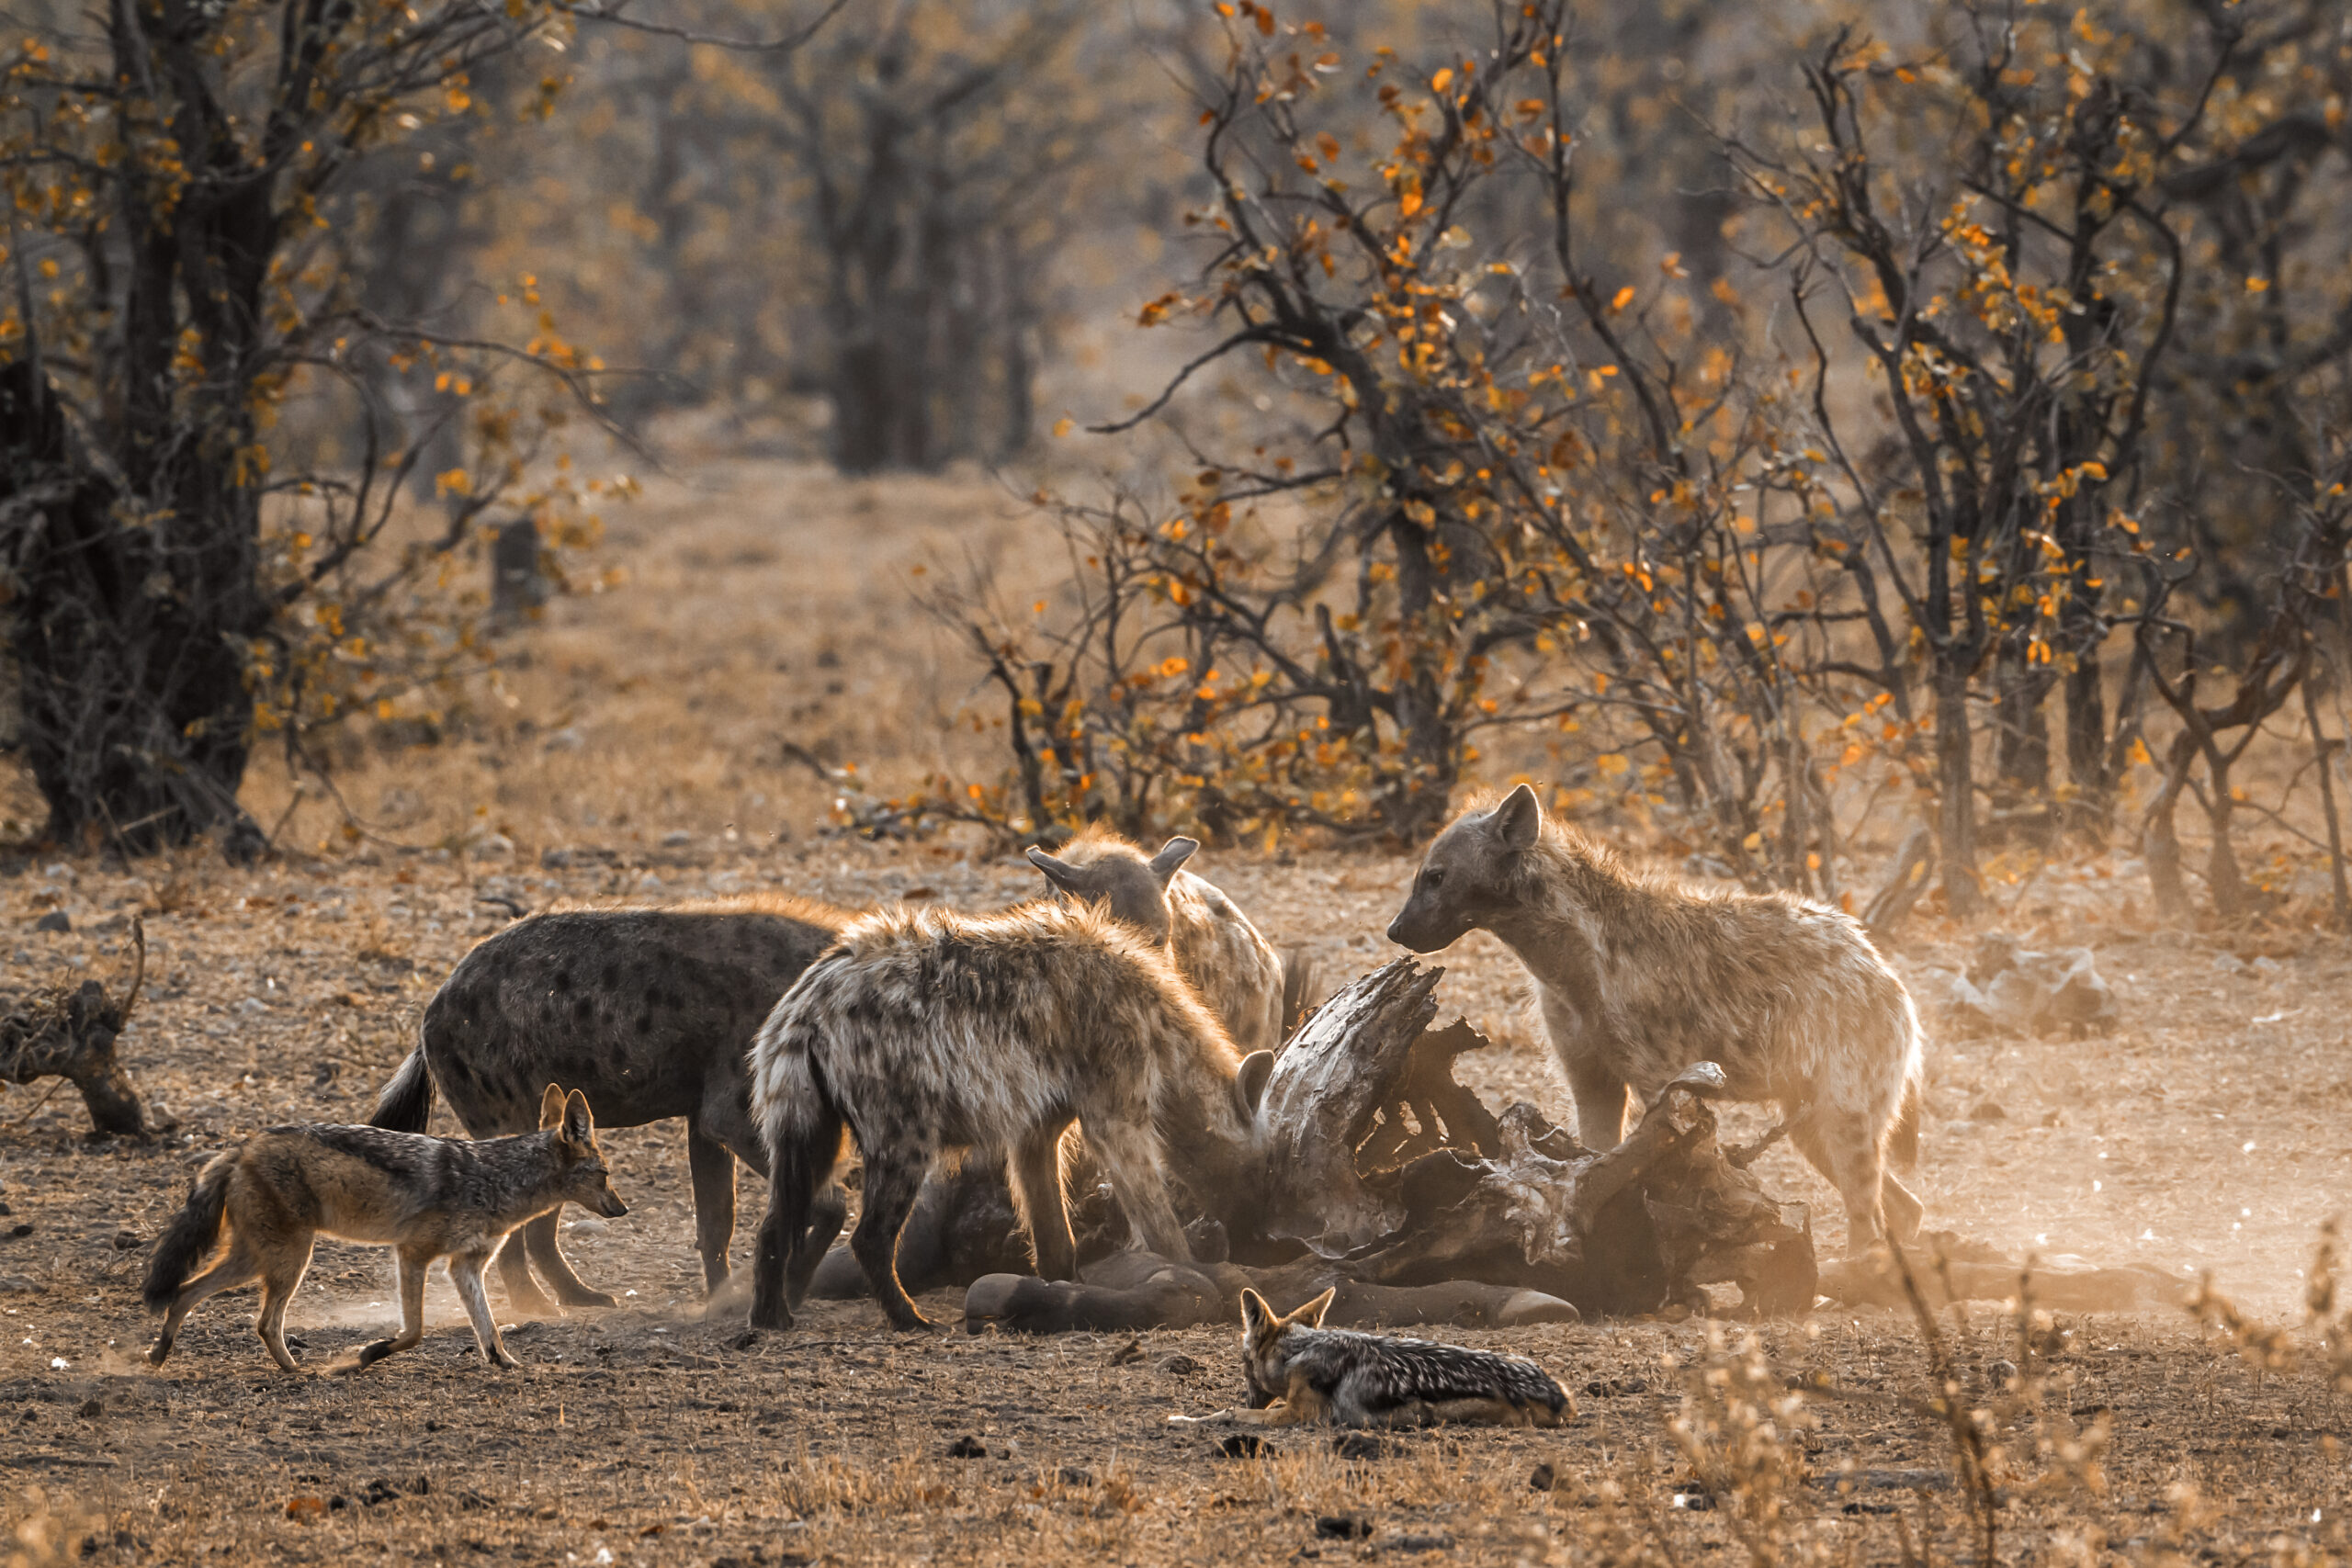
<point>1036,1173</point>
<point>1600,1102</point>
<point>231,1271</point>
<point>1131,1154</point>
<point>712,1165</point>
<point>415,1260</point>
<point>281,1277</point>
<point>892,1180</point>
<point>465,1273</point>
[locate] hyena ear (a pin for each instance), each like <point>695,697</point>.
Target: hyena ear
<point>1171,858</point>
<point>1256,1316</point>
<point>579,1126</point>
<point>1058,872</point>
<point>1519,818</point>
<point>551,1107</point>
<point>1249,1083</point>
<point>1311,1315</point>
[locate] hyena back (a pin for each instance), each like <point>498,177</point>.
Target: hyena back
<point>927,1032</point>
<point>1638,979</point>
<point>648,1011</point>
<point>1237,973</point>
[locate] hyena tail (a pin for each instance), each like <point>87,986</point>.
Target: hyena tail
<point>405,1105</point>
<point>1902,1142</point>
<point>1298,985</point>
<point>193,1233</point>
<point>801,1124</point>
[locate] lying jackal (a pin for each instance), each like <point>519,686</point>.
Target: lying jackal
<point>429,1197</point>
<point>1300,1371</point>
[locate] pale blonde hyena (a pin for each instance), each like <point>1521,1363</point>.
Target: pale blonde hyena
<point>1236,970</point>
<point>928,1031</point>
<point>1638,979</point>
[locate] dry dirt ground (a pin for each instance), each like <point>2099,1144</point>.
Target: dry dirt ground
<point>2210,1131</point>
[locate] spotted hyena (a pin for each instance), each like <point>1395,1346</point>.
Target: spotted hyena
<point>648,1011</point>
<point>1637,979</point>
<point>1251,987</point>
<point>928,1031</point>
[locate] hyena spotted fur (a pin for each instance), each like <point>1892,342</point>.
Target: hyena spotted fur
<point>926,1032</point>
<point>649,1010</point>
<point>1637,979</point>
<point>1253,990</point>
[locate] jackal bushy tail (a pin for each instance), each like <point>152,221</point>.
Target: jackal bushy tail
<point>191,1236</point>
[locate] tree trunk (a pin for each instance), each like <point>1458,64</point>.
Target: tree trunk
<point>1955,783</point>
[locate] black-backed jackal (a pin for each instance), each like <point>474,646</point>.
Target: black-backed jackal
<point>275,1193</point>
<point>1300,1371</point>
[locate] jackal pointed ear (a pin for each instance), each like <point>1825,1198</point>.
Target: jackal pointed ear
<point>1311,1315</point>
<point>1519,818</point>
<point>579,1126</point>
<point>551,1107</point>
<point>1249,1083</point>
<point>1256,1316</point>
<point>1058,872</point>
<point>1171,858</point>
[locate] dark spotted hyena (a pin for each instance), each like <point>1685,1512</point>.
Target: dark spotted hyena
<point>1638,979</point>
<point>1244,981</point>
<point>925,1032</point>
<point>648,1011</point>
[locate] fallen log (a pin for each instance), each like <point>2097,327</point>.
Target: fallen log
<point>70,1032</point>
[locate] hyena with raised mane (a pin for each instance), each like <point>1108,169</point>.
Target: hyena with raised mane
<point>924,1032</point>
<point>648,1009</point>
<point>1253,990</point>
<point>1637,979</point>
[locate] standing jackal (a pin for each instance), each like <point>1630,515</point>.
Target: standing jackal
<point>928,1031</point>
<point>1639,980</point>
<point>1254,993</point>
<point>431,1198</point>
<point>1300,1371</point>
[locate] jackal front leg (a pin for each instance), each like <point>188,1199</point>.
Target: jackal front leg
<point>465,1273</point>
<point>415,1260</point>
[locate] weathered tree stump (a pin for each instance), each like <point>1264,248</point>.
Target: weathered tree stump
<point>70,1032</point>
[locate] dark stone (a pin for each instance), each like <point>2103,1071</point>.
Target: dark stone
<point>55,920</point>
<point>1363,1446</point>
<point>967,1448</point>
<point>1243,1445</point>
<point>1180,1366</point>
<point>1343,1527</point>
<point>1543,1478</point>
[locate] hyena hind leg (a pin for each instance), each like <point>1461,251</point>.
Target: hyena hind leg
<point>523,1297</point>
<point>1036,1172</point>
<point>1131,1154</point>
<point>892,1181</point>
<point>1848,1153</point>
<point>546,1257</point>
<point>236,1269</point>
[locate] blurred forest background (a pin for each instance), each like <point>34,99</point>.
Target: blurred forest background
<point>1804,437</point>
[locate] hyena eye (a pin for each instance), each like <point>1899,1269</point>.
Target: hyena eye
<point>1432,877</point>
